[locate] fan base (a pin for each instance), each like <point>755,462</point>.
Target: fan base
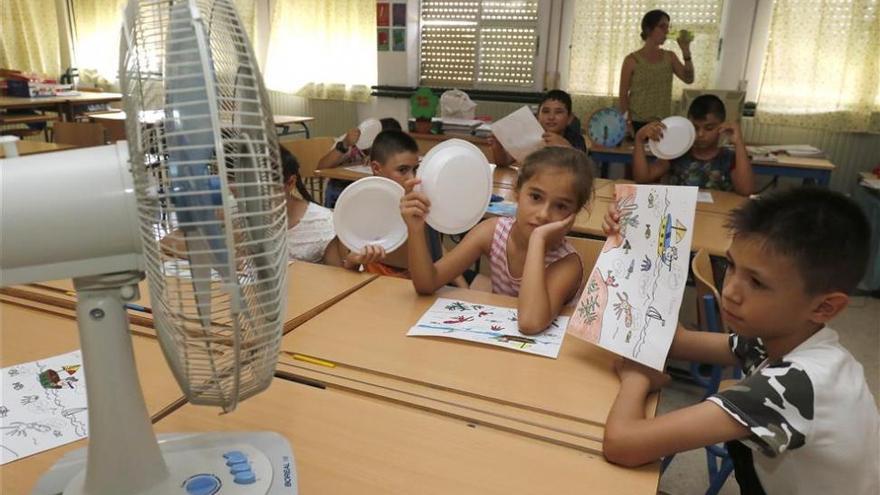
<point>200,464</point>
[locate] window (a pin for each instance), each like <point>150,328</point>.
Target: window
<point>480,44</point>
<point>605,31</point>
<point>821,68</point>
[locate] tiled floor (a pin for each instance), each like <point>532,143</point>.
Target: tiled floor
<point>859,329</point>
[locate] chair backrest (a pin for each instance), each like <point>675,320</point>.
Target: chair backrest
<point>589,249</point>
<point>308,152</point>
<point>79,133</point>
<point>704,279</point>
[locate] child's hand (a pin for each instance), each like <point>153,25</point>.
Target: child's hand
<point>553,139</point>
<point>652,131</point>
<point>611,221</point>
<point>414,206</point>
<point>732,130</point>
<point>372,253</point>
<point>552,233</point>
<point>351,137</point>
<point>631,371</point>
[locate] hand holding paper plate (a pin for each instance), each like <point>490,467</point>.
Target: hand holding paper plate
<point>678,137</point>
<point>457,179</point>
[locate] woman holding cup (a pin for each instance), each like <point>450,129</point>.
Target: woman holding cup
<point>646,75</point>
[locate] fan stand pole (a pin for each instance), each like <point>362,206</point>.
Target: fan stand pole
<point>123,455</point>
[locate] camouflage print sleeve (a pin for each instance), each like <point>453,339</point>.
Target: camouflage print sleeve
<point>749,352</point>
<point>775,403</point>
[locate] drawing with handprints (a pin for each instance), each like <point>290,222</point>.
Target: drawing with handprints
<point>631,301</point>
<point>44,408</point>
<point>491,325</point>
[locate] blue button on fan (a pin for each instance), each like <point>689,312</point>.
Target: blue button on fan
<point>607,127</point>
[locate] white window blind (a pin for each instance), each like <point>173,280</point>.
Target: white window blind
<point>479,43</point>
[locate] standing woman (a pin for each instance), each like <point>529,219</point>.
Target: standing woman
<point>646,76</point>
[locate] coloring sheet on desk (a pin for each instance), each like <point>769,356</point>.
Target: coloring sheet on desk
<point>520,133</point>
<point>631,302</point>
<point>43,406</point>
<point>493,325</point>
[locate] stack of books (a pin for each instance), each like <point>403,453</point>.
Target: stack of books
<point>465,127</point>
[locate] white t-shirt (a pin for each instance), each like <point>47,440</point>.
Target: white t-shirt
<point>814,423</point>
<point>308,239</point>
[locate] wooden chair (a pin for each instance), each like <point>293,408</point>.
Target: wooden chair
<point>308,152</point>
<point>589,249</point>
<point>79,134</point>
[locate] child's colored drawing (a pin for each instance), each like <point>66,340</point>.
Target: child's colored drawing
<point>644,303</point>
<point>491,325</point>
<point>45,407</point>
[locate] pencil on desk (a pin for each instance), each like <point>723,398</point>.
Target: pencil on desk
<point>310,359</point>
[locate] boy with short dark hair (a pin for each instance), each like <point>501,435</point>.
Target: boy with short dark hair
<point>706,164</point>
<point>395,156</point>
<point>802,421</point>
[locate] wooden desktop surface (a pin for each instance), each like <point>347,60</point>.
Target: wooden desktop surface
<point>367,331</point>
<point>709,230</point>
<point>310,289</point>
<point>28,334</point>
<point>346,442</point>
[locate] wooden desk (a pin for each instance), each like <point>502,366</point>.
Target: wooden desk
<point>34,147</point>
<point>311,288</point>
<point>367,331</point>
<point>709,230</point>
<point>283,123</point>
<point>808,169</point>
<point>63,105</point>
<point>428,141</point>
<point>27,335</point>
<point>349,443</point>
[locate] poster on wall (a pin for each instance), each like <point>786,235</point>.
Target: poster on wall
<point>398,40</point>
<point>383,39</point>
<point>398,14</point>
<point>382,14</point>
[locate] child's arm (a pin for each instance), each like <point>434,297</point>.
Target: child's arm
<point>544,290</point>
<point>501,156</point>
<point>633,440</point>
<point>426,275</point>
<point>702,347</point>
<point>642,171</point>
<point>337,254</point>
<point>334,157</point>
<point>743,176</point>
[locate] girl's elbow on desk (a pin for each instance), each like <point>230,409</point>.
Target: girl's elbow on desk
<point>623,451</point>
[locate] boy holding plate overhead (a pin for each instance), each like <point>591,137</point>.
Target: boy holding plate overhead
<point>706,164</point>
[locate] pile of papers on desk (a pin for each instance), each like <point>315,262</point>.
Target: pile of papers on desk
<point>460,126</point>
<point>804,150</point>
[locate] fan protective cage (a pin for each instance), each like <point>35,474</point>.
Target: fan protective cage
<point>211,201</point>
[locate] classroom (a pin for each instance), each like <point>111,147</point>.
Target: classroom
<point>439,246</point>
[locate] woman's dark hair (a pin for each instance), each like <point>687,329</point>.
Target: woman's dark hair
<point>575,161</point>
<point>290,166</point>
<point>650,21</point>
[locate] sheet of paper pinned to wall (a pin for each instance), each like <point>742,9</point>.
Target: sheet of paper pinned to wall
<point>493,325</point>
<point>520,133</point>
<point>43,406</point>
<point>631,301</point>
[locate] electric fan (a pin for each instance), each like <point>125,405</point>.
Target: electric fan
<point>206,174</point>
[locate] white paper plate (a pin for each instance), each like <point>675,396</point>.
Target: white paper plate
<point>457,179</point>
<point>678,137</point>
<point>369,128</point>
<point>368,212</point>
